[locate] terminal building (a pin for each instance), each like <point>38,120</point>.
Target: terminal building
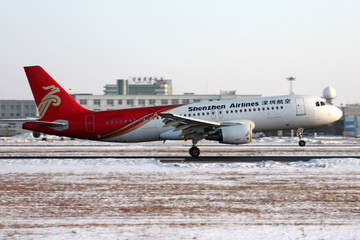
<point>110,102</point>
<point>11,111</point>
<point>145,92</point>
<point>140,86</point>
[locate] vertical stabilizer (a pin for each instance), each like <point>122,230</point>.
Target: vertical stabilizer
<point>51,99</point>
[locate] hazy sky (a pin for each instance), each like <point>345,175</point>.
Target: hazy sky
<point>204,46</point>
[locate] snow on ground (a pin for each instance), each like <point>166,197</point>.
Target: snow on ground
<point>141,198</point>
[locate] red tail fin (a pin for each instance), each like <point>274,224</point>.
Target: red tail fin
<point>51,99</point>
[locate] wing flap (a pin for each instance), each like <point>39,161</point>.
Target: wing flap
<point>188,120</point>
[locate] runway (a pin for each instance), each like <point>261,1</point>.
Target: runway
<point>185,159</point>
<point>81,189</point>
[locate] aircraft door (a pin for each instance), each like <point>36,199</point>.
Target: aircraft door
<point>213,114</point>
<point>300,106</point>
<point>90,123</point>
<point>220,113</point>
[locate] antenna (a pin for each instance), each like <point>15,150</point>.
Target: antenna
<point>291,80</point>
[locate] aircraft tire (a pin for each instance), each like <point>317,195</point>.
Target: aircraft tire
<point>36,134</point>
<point>302,143</point>
<point>194,152</point>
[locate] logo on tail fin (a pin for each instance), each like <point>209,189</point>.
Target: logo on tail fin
<point>49,98</point>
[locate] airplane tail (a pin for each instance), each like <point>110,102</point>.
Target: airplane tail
<point>51,99</point>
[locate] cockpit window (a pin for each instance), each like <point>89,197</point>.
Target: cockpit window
<point>320,103</point>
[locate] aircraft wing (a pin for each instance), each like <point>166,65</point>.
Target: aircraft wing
<point>190,126</point>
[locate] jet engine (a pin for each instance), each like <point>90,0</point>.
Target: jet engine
<point>236,134</point>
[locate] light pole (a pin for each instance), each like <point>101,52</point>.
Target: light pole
<point>291,80</point>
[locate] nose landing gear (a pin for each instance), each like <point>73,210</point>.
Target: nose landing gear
<point>299,132</point>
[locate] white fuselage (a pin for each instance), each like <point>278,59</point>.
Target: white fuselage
<point>267,113</point>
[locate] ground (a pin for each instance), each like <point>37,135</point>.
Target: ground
<point>141,198</point>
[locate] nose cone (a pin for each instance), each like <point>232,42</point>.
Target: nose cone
<point>337,113</point>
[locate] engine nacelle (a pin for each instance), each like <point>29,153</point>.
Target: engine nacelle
<point>236,134</point>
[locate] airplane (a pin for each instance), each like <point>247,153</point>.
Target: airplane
<point>226,121</point>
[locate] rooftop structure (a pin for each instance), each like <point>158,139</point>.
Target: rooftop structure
<point>140,86</point>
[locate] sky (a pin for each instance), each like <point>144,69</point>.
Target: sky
<point>204,46</point>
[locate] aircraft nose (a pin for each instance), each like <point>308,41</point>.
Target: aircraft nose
<point>337,113</point>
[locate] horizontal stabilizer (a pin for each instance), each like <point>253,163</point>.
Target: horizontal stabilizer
<point>49,124</point>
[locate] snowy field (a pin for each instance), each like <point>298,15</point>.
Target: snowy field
<point>142,198</point>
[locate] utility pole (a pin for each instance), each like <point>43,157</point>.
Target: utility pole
<point>291,80</point>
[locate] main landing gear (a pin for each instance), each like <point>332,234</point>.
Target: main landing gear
<point>194,151</point>
<point>300,131</point>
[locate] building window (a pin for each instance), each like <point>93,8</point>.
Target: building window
<point>129,102</point>
<point>175,101</point>
<point>164,101</point>
<point>120,101</point>
<point>141,102</point>
<point>185,101</point>
<point>83,101</point>
<point>196,100</point>
<point>110,102</point>
<point>12,107</point>
<point>97,102</point>
<point>152,101</point>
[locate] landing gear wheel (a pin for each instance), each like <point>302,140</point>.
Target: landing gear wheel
<point>194,152</point>
<point>302,143</point>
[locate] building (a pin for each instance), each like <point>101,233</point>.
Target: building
<point>140,86</point>
<point>352,120</point>
<point>110,102</point>
<point>11,113</point>
<point>18,109</point>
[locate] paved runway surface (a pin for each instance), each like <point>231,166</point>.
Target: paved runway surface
<point>61,190</point>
